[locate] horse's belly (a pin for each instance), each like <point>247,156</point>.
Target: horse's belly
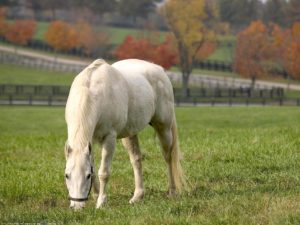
<point>140,112</point>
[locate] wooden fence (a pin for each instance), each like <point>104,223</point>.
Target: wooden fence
<point>53,95</point>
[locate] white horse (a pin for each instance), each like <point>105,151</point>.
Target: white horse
<point>109,102</point>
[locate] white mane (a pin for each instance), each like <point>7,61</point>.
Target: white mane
<point>81,108</point>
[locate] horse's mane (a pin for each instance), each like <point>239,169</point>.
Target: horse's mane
<point>81,111</point>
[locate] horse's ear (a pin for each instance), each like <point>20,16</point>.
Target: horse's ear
<point>68,149</point>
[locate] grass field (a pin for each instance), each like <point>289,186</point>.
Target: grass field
<point>242,165</point>
<point>12,74</point>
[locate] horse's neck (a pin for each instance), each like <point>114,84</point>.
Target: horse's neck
<point>82,117</point>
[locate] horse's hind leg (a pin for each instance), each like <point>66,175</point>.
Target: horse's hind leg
<point>166,139</point>
<point>131,144</point>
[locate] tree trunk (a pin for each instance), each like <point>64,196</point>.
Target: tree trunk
<point>185,85</point>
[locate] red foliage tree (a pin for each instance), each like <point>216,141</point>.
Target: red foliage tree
<point>162,54</point>
<point>20,32</point>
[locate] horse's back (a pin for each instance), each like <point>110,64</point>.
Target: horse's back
<point>152,85</point>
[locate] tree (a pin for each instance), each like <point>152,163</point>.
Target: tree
<point>162,53</point>
<point>20,32</point>
<point>135,9</point>
<point>88,38</point>
<point>274,11</point>
<point>252,51</point>
<point>239,13</point>
<point>52,5</point>
<point>291,53</point>
<point>61,36</point>
<point>188,22</point>
<point>293,11</point>
<point>3,23</point>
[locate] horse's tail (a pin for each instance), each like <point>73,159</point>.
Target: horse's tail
<point>178,175</point>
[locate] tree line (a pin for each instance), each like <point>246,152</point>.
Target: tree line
<point>240,13</point>
<point>237,13</point>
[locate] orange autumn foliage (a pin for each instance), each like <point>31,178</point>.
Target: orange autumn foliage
<point>61,36</point>
<point>286,49</point>
<point>20,32</point>
<point>88,38</point>
<point>252,51</point>
<point>291,54</point>
<point>162,54</point>
<point>3,23</point>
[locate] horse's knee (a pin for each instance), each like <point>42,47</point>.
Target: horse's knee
<point>103,176</point>
<point>136,161</point>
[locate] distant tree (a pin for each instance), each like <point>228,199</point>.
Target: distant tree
<point>3,23</point>
<point>274,11</point>
<point>291,53</point>
<point>88,38</point>
<point>5,2</point>
<point>135,9</point>
<point>52,5</point>
<point>61,36</point>
<point>162,53</point>
<point>252,51</point>
<point>239,13</point>
<point>97,6</point>
<point>293,11</point>
<point>189,25</point>
<point>20,32</point>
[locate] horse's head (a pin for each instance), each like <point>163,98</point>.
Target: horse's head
<point>78,175</point>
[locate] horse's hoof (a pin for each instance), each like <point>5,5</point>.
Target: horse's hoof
<point>138,196</point>
<point>172,193</point>
<point>101,202</point>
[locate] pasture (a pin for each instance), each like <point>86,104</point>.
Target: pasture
<point>242,165</point>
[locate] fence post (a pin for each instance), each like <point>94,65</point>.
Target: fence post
<point>212,101</point>
<point>10,99</point>
<point>195,102</point>
<point>30,99</point>
<point>247,101</point>
<point>230,101</point>
<point>49,100</point>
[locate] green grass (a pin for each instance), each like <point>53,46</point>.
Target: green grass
<point>12,74</point>
<point>242,165</point>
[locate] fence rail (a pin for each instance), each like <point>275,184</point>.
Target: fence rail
<point>53,95</point>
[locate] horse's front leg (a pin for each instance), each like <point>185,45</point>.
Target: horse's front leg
<point>132,146</point>
<point>108,148</point>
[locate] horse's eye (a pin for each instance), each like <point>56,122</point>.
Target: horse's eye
<point>67,176</point>
<point>88,176</point>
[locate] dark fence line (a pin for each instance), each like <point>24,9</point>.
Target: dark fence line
<point>54,95</point>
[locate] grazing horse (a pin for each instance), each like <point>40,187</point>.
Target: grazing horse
<point>109,102</point>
